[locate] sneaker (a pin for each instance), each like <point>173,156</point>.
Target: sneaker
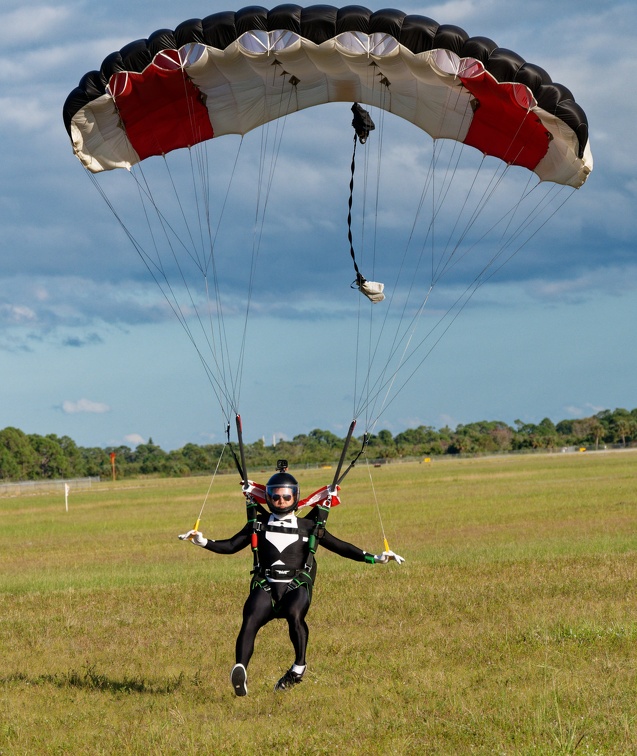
<point>239,680</point>
<point>289,680</point>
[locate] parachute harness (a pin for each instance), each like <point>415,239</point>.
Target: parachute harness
<point>303,576</point>
<point>253,509</point>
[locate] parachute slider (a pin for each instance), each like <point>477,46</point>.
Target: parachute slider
<point>373,290</point>
<point>362,123</point>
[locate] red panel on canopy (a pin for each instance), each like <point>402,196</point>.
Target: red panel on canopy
<point>161,110</point>
<point>501,126</point>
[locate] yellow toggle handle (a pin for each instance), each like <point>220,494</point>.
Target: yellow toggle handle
<point>195,528</point>
<point>386,545</point>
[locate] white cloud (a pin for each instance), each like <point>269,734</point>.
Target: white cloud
<point>26,114</point>
<point>28,23</point>
<point>446,420</point>
<point>613,279</point>
<point>454,12</point>
<point>17,314</point>
<point>84,406</point>
<point>134,439</point>
<point>586,411</point>
<point>77,302</point>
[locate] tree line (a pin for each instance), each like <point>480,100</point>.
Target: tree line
<point>25,457</point>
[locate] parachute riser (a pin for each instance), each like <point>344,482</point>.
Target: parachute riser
<point>355,460</point>
<point>323,509</point>
<point>341,461</point>
<point>237,461</point>
<point>338,477</point>
<point>243,470</point>
<point>252,506</point>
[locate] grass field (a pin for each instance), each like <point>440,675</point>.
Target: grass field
<point>510,629</point>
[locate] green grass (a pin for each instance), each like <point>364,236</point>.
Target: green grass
<point>511,628</point>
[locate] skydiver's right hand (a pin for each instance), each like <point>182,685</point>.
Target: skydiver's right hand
<point>195,537</point>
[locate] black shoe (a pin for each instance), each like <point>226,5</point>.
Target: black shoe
<point>289,680</point>
<point>239,679</point>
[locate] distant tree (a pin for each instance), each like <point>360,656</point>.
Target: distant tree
<point>17,446</point>
<point>97,462</point>
<point>382,446</point>
<point>150,458</point>
<point>175,465</point>
<point>385,437</point>
<point>565,431</point>
<point>547,436</point>
<point>423,440</point>
<point>24,457</point>
<point>9,468</point>
<point>502,436</point>
<point>624,428</point>
<point>73,453</point>
<point>624,425</point>
<point>325,438</point>
<point>52,461</point>
<point>541,436</point>
<point>599,431</point>
<point>123,454</point>
<point>259,456</point>
<point>589,430</point>
<point>523,438</point>
<point>605,417</point>
<point>196,458</point>
<point>483,436</point>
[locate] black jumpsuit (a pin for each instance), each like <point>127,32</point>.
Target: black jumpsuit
<point>278,590</point>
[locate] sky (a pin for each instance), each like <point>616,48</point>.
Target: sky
<point>89,348</point>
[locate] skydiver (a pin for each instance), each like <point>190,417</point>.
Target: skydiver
<point>282,586</point>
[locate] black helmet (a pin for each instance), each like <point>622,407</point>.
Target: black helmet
<point>282,480</point>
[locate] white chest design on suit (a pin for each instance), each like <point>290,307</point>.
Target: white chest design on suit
<point>282,540</point>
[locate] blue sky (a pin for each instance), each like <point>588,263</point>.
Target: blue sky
<point>88,348</point>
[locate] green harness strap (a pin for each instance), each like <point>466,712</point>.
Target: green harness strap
<point>316,535</point>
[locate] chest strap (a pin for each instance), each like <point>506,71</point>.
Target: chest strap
<point>281,573</point>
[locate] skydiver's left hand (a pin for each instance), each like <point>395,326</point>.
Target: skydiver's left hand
<point>388,556</point>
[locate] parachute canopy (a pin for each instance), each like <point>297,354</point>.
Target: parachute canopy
<point>234,71</point>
